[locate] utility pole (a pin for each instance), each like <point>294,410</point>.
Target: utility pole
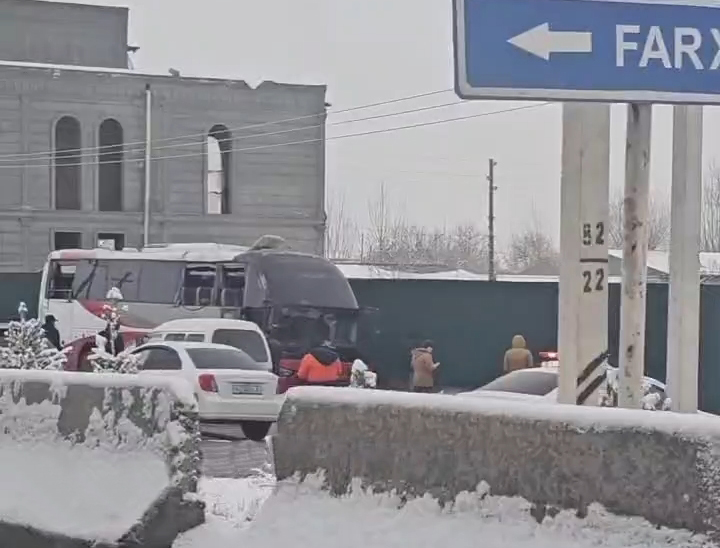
<point>491,220</point>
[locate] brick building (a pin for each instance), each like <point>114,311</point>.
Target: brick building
<point>73,137</point>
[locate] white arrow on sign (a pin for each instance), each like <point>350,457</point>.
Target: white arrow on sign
<point>542,42</point>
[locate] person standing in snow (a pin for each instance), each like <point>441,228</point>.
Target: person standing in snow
<point>518,356</point>
<point>119,345</point>
<point>51,332</point>
<point>321,365</point>
<point>423,366</point>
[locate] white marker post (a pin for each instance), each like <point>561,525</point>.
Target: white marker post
<point>634,262</point>
<point>583,306</point>
<point>683,348</point>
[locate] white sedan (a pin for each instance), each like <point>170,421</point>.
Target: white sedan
<point>541,384</point>
<point>231,388</point>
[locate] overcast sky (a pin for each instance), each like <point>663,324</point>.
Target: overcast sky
<point>368,51</point>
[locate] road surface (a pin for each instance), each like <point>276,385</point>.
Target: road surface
<point>235,458</point>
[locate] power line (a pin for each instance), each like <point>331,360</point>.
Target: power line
<point>241,128</point>
<point>121,148</point>
<point>302,142</point>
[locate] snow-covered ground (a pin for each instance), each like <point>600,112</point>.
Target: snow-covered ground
<point>246,513</point>
<point>90,493</point>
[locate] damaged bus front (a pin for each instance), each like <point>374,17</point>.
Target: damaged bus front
<point>300,301</point>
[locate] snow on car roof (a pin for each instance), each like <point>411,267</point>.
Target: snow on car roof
<point>201,324</point>
<point>184,345</point>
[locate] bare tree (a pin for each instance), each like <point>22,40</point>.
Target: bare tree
<point>340,230</point>
<point>658,223</point>
<point>391,240</point>
<point>530,247</point>
<point>710,215</point>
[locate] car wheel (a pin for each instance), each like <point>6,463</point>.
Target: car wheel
<point>255,430</point>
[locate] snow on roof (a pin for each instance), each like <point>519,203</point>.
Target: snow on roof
<point>356,271</point>
<point>656,260</point>
<point>660,261</point>
<point>189,252</point>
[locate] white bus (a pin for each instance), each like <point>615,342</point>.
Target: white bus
<point>158,283</point>
<point>295,298</point>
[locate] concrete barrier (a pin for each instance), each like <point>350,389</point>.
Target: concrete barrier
<point>102,460</point>
<point>662,466</point>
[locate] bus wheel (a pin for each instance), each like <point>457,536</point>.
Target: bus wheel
<point>255,430</point>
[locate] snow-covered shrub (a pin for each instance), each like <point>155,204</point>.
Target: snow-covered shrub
<point>361,376</point>
<point>27,347</point>
<point>652,399</point>
<point>101,360</point>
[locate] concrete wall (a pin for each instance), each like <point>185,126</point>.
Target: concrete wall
<point>56,32</point>
<point>275,188</point>
<point>103,415</point>
<point>661,466</point>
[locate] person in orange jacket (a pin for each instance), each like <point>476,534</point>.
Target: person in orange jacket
<point>321,365</point>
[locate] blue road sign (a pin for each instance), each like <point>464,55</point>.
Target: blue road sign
<point>587,50</point>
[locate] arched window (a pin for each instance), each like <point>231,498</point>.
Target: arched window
<point>68,157</point>
<point>110,168</point>
<point>217,186</point>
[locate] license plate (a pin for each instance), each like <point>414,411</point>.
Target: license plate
<point>247,389</point>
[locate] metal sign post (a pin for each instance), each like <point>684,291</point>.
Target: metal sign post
<point>683,347</point>
<point>634,261</point>
<point>583,307</point>
<point>604,51</point>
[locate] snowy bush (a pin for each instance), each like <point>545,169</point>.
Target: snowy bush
<point>101,360</point>
<point>361,376</point>
<point>28,348</point>
<point>652,400</point>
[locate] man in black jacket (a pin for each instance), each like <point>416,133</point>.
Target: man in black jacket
<point>119,342</point>
<point>51,332</point>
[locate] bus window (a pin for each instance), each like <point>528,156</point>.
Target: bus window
<point>160,281</point>
<point>232,286</point>
<point>90,280</point>
<point>155,282</point>
<point>61,274</point>
<point>125,275</point>
<point>199,284</point>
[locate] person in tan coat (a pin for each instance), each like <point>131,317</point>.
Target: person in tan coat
<point>423,366</point>
<point>518,356</point>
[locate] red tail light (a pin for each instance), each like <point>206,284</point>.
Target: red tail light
<point>207,383</point>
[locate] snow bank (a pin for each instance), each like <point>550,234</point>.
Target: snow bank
<point>231,505</point>
<point>664,467</point>
<point>99,457</point>
<point>240,512</point>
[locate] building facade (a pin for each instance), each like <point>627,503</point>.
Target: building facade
<point>228,163</point>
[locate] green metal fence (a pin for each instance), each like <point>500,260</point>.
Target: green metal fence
<point>472,324</point>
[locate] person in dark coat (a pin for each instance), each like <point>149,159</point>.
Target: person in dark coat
<point>51,332</point>
<point>119,343</point>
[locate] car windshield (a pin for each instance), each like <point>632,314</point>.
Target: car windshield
<point>224,358</point>
<point>528,381</point>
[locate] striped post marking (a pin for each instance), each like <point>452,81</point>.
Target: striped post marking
<point>591,372</point>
